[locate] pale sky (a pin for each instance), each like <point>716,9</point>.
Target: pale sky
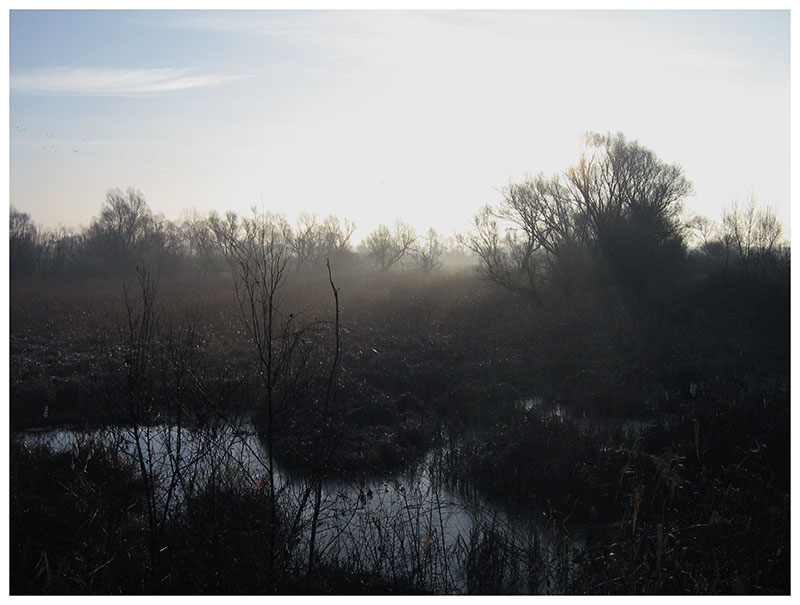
<point>377,115</point>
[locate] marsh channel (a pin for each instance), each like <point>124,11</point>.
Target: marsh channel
<point>407,523</point>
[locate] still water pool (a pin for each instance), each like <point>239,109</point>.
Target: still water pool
<point>413,519</point>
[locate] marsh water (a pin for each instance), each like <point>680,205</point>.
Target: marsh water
<point>413,522</point>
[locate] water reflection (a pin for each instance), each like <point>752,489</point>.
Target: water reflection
<point>414,518</point>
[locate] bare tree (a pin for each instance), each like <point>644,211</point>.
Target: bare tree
<point>258,252</point>
<point>64,249</point>
<point>753,232</point>
<point>119,234</point>
<point>701,230</point>
<point>336,235</point>
<point>328,439</point>
<point>202,244</point>
<point>619,205</point>
<point>386,248</point>
<point>165,245</point>
<point>502,256</point>
<point>307,240</point>
<point>429,250</point>
<point>314,242</point>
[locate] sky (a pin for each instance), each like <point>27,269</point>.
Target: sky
<point>378,115</point>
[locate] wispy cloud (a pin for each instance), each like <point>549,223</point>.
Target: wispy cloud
<point>287,23</point>
<point>328,29</point>
<point>93,81</point>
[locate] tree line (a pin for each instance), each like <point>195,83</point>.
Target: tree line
<point>127,234</point>
<point>614,218</point>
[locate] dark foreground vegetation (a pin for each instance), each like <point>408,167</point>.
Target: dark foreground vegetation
<point>615,374</point>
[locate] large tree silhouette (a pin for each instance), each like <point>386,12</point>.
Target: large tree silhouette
<point>613,216</point>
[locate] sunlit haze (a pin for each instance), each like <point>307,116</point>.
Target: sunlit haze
<point>380,115</point>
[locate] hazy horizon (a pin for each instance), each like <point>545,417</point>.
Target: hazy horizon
<point>378,115</point>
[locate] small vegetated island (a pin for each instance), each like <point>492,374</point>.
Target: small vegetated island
<point>593,400</point>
